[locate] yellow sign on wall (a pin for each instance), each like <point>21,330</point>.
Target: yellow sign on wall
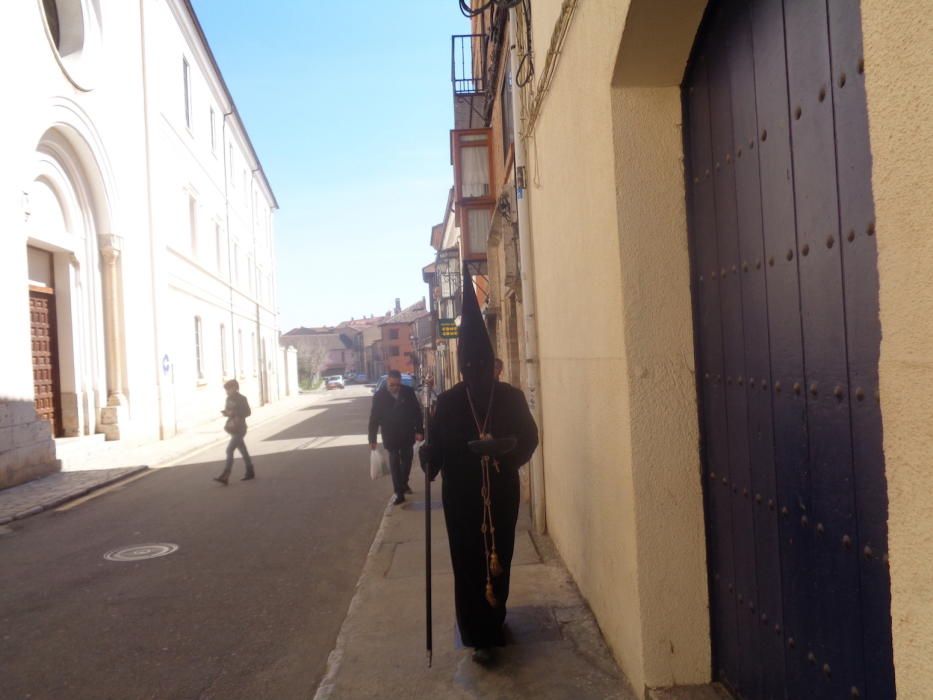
<point>448,328</point>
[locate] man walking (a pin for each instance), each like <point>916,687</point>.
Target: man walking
<point>397,412</point>
<point>236,410</point>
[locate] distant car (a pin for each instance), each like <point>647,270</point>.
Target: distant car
<point>407,380</point>
<point>334,382</point>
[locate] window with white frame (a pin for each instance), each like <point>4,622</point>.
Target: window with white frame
<point>198,347</point>
<point>213,131</point>
<point>236,262</point>
<point>255,362</point>
<point>223,350</point>
<point>186,76</point>
<point>193,223</point>
<point>219,247</point>
<point>239,339</point>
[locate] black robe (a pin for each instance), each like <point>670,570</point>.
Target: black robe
<point>450,429</point>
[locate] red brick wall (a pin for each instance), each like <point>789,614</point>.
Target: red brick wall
<point>402,362</point>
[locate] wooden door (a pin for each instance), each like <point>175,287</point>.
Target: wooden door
<point>45,356</point>
<point>785,290</point>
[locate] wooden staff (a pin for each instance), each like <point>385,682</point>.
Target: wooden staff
<point>429,642</point>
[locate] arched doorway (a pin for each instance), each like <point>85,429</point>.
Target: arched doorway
<point>68,215</point>
<point>787,336</point>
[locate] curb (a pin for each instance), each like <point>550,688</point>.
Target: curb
<point>329,682</point>
<point>35,510</point>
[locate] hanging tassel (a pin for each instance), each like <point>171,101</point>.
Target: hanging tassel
<point>490,596</point>
<point>495,566</point>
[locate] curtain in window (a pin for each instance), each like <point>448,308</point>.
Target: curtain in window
<point>474,171</point>
<point>478,221</point>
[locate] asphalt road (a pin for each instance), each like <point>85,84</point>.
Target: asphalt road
<point>250,604</point>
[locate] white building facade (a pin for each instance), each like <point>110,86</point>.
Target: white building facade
<point>139,268</point>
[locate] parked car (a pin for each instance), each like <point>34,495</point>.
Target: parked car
<point>407,380</point>
<point>334,382</point>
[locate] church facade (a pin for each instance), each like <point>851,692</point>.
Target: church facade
<point>139,268</point>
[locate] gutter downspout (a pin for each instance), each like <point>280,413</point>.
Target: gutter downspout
<point>230,280</point>
<point>153,251</point>
<point>526,261</point>
<point>254,273</point>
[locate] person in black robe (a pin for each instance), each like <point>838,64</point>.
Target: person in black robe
<point>481,534</point>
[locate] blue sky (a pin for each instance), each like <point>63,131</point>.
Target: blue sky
<point>349,107</point>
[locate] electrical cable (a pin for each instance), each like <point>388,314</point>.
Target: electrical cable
<point>468,11</point>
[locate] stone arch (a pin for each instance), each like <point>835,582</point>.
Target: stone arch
<point>71,217</point>
<point>657,320</point>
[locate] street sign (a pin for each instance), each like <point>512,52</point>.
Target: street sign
<point>448,328</point>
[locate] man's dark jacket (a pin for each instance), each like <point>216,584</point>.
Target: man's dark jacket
<point>399,418</point>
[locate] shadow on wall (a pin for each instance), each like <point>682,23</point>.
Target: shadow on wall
<point>27,450</point>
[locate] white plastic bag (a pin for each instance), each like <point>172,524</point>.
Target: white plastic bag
<point>378,464</point>
<point>416,461</point>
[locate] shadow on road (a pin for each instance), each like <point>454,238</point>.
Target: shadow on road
<point>346,417</point>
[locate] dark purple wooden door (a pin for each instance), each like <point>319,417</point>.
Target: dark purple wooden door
<point>785,292</point>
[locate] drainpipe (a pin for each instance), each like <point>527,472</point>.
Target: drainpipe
<point>154,252</point>
<point>261,369</point>
<point>526,261</point>
<point>230,280</point>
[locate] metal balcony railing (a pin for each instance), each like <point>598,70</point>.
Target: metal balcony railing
<point>467,64</point>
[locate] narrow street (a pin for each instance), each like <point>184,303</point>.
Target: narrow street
<point>250,604</point>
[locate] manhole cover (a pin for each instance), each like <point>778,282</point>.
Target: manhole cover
<point>139,552</point>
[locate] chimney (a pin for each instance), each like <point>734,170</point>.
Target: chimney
<point>398,305</point>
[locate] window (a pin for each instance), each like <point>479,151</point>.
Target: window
<point>230,164</point>
<point>471,163</point>
<point>223,350</point>
<point>193,223</point>
<point>472,186</point>
<point>186,76</point>
<point>394,351</point>
<point>508,130</point>
<point>198,349</point>
<point>249,271</point>
<point>219,245</point>
<point>476,230</point>
<point>213,132</point>
<point>255,363</point>
<point>239,339</point>
<point>393,334</point>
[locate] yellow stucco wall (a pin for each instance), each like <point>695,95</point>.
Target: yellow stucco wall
<point>898,40</point>
<point>608,229</point>
<point>615,335</point>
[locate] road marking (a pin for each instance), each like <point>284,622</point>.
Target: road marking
<point>100,492</point>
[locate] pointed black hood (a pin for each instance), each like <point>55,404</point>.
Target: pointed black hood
<point>474,349</point>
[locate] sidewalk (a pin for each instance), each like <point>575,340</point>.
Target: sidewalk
<point>556,649</point>
<point>108,462</point>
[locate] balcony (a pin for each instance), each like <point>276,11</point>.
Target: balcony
<point>468,54</point>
